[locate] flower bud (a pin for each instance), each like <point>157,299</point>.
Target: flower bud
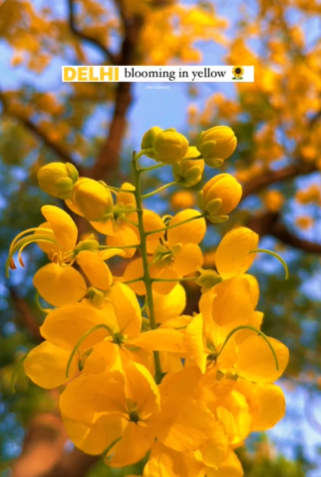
<point>219,196</point>
<point>207,279</point>
<point>216,145</point>
<point>189,172</point>
<point>148,139</point>
<point>92,199</point>
<point>89,244</point>
<point>169,146</point>
<point>57,179</point>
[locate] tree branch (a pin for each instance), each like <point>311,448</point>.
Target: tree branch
<point>107,159</point>
<point>84,36</point>
<point>270,224</point>
<point>56,148</point>
<point>43,445</point>
<point>72,464</point>
<point>271,177</point>
<point>280,232</point>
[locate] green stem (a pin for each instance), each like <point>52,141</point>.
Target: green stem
<point>135,280</point>
<point>269,252</point>
<point>14,374</point>
<point>152,168</point>
<point>259,332</point>
<point>74,351</point>
<point>106,451</point>
<point>107,247</point>
<point>125,211</point>
<point>166,280</point>
<point>143,249</point>
<point>129,222</point>
<point>118,189</point>
<point>175,225</point>
<point>141,153</point>
<point>150,194</point>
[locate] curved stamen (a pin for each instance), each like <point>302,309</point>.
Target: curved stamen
<point>74,351</point>
<point>246,327</point>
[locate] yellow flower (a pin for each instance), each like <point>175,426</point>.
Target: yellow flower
<point>229,305</point>
<point>91,199</point>
<point>189,172</point>
<point>112,411</point>
<point>169,146</point>
<point>121,233</point>
<point>176,257</point>
<point>117,316</point>
<point>216,145</point>
<point>213,371</point>
<point>148,139</point>
<point>57,179</point>
<point>219,196</point>
<point>58,282</point>
<point>46,364</point>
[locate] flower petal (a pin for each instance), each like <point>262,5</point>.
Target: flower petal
<point>188,259</point>
<point>232,256</point>
<point>165,462</point>
<point>170,305</point>
<point>66,325</point>
<point>231,467</point>
<point>194,342</point>
<point>164,274</point>
<point>91,396</point>
<point>133,271</point>
<point>233,301</point>
<point>134,444</point>
<point>185,425</point>
<point>95,269</point>
<point>271,407</point>
<point>256,362</point>
<point>106,227</point>
<point>105,356</point>
<point>59,285</point>
<point>63,226</point>
<point>191,232</point>
<point>124,235</point>
<point>46,365</point>
<point>161,339</point>
<point>216,449</point>
<point>127,309</point>
<point>141,388</point>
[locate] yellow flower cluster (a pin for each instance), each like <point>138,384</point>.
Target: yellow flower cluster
<point>138,374</point>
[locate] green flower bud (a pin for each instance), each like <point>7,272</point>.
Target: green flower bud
<point>207,279</point>
<point>57,179</point>
<point>189,172</point>
<point>169,146</point>
<point>88,244</point>
<point>97,297</point>
<point>93,200</point>
<point>148,139</point>
<point>216,145</point>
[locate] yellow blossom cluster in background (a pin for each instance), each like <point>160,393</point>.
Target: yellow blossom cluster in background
<point>138,374</point>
